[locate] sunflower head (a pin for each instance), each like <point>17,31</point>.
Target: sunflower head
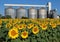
<point>0,21</point>
<point>10,21</point>
<point>46,22</point>
<point>44,27</point>
<point>16,25</point>
<point>24,34</point>
<point>13,33</point>
<point>35,30</point>
<point>51,22</point>
<point>58,23</point>
<point>30,26</point>
<point>24,25</point>
<point>53,25</point>
<point>20,27</point>
<point>8,25</point>
<point>15,21</point>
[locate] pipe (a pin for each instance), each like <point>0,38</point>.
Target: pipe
<point>24,5</point>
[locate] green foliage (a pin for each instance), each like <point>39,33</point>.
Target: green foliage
<point>2,17</point>
<point>24,17</point>
<point>5,17</point>
<point>8,16</point>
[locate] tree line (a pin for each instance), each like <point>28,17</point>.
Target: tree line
<point>9,17</point>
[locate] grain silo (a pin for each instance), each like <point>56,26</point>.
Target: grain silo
<point>42,12</point>
<point>11,12</point>
<point>58,16</point>
<point>53,14</point>
<point>32,13</point>
<point>21,12</point>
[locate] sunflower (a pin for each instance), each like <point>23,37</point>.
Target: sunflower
<point>24,34</point>
<point>15,21</point>
<point>44,27</point>
<point>40,24</point>
<point>0,21</point>
<point>51,22</point>
<point>26,20</point>
<point>13,33</point>
<point>52,19</point>
<point>10,21</point>
<point>35,30</point>
<point>19,21</point>
<point>21,26</point>
<point>30,26</point>
<point>24,25</point>
<point>58,23</point>
<point>53,25</point>
<point>16,25</point>
<point>46,22</point>
<point>8,25</point>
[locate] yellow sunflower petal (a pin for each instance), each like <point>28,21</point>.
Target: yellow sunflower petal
<point>35,30</point>
<point>24,34</point>
<point>13,33</point>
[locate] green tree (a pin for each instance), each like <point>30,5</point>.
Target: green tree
<point>24,17</point>
<point>8,16</point>
<point>0,15</point>
<point>3,17</point>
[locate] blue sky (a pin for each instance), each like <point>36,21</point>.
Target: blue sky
<point>55,3</point>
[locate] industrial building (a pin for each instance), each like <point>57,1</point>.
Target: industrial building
<point>21,12</point>
<point>44,11</point>
<point>10,11</point>
<point>32,12</point>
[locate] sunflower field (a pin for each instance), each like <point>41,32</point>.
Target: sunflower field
<point>30,30</point>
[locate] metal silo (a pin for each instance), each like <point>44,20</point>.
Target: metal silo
<point>11,12</point>
<point>32,13</point>
<point>21,12</point>
<point>53,14</point>
<point>42,12</point>
<point>58,16</point>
